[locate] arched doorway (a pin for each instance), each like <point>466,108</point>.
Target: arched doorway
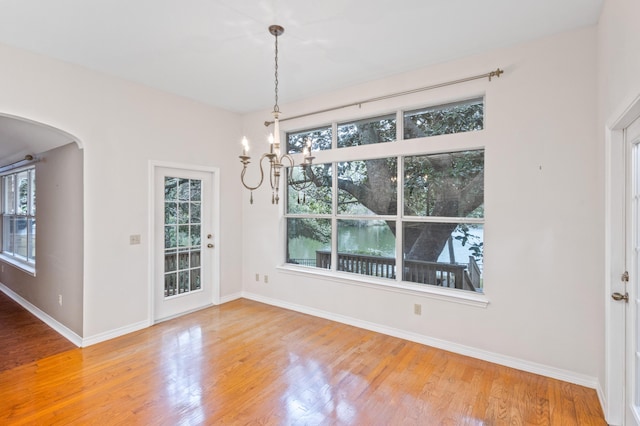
<point>51,285</point>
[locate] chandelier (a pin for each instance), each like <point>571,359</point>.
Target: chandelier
<point>274,156</point>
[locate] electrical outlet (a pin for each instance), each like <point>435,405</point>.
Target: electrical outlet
<point>257,277</point>
<point>134,239</point>
<point>266,279</point>
<point>60,299</point>
<point>417,309</point>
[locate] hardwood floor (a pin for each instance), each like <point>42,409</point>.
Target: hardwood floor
<point>24,338</point>
<point>247,363</point>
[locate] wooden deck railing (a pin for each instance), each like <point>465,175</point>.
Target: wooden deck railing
<point>458,276</point>
<point>441,274</point>
<point>367,265</point>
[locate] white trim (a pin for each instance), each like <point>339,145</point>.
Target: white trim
<point>601,395</point>
<point>464,297</point>
<point>625,115</point>
<point>614,333</point>
<point>112,334</point>
<point>183,166</point>
<point>63,330</point>
<point>230,298</point>
<point>18,264</point>
<point>507,361</point>
<point>178,315</point>
<point>216,211</point>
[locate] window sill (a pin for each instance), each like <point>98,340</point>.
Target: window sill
<point>29,269</point>
<point>433,292</point>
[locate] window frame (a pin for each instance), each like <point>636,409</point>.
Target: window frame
<point>399,148</point>
<point>28,263</point>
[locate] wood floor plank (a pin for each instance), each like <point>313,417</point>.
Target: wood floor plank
<point>249,363</point>
<point>24,338</point>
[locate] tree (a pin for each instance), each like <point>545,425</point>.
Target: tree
<point>444,185</point>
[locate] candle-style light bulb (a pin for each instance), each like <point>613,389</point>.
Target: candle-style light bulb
<point>245,146</point>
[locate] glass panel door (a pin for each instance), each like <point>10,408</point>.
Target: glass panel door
<point>184,241</point>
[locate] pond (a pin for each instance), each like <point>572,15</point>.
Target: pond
<point>376,240</point>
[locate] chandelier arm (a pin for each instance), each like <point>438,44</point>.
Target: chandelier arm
<point>310,178</point>
<point>289,170</point>
<point>274,173</point>
<point>306,183</point>
<point>274,178</point>
<point>289,159</point>
<point>244,170</point>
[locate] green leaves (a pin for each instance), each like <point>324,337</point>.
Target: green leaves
<point>458,117</point>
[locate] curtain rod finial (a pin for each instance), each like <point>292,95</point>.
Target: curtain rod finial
<point>496,73</point>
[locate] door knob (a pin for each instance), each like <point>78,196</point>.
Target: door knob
<point>618,296</point>
<point>210,245</point>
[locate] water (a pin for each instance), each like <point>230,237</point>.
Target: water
<point>374,240</point>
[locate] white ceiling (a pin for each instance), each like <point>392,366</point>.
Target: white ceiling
<point>221,53</point>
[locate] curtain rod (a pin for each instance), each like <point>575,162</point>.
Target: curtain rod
<point>488,75</point>
<point>28,159</point>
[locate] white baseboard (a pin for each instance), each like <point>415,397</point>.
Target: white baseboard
<point>505,360</point>
<point>112,334</point>
<point>230,298</point>
<point>63,330</point>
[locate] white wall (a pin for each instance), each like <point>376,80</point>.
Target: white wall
<point>122,126</point>
<point>543,204</point>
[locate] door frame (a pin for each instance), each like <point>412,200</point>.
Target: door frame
<point>615,259</point>
<point>215,211</point>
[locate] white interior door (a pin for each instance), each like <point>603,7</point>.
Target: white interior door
<point>184,241</point>
<point>631,293</point>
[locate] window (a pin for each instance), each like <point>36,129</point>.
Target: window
<point>19,216</point>
<point>320,139</point>
<point>458,117</point>
<point>368,131</point>
<point>414,218</point>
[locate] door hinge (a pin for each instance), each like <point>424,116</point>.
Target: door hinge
<point>625,277</point>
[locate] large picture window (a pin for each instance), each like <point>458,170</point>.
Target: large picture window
<point>19,216</point>
<point>415,218</point>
